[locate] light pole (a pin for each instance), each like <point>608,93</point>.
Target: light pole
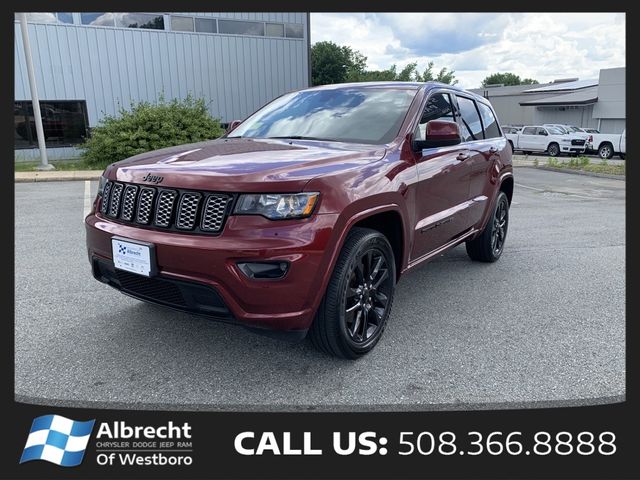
<point>35,101</point>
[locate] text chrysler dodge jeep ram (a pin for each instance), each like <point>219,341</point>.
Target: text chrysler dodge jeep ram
<point>304,216</point>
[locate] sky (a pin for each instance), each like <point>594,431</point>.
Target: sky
<point>543,46</point>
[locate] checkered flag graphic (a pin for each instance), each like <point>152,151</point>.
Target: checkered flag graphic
<point>57,440</point>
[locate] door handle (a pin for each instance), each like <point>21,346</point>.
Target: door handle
<point>462,156</point>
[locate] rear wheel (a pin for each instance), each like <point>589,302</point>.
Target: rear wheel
<point>488,246</point>
<point>357,303</point>
<point>605,151</point>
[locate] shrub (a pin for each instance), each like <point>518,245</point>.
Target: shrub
<point>148,126</point>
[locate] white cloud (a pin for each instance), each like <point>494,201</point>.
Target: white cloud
<point>544,46</point>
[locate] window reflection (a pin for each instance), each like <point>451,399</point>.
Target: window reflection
<point>357,115</point>
<point>63,122</point>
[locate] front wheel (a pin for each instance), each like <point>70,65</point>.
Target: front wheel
<point>553,150</point>
<point>488,246</point>
<point>357,303</point>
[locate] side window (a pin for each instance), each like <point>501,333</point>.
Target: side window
<point>541,131</point>
<point>529,131</point>
<point>491,129</point>
<point>438,107</point>
<point>471,126</point>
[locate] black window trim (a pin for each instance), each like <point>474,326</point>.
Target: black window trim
<point>484,131</point>
<point>469,97</point>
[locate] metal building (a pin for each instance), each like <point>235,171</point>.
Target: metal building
<point>90,64</point>
<point>597,103</point>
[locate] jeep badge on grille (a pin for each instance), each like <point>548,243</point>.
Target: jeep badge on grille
<point>153,179</point>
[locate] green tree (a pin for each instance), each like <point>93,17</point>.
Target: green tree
<point>507,78</point>
<point>332,63</point>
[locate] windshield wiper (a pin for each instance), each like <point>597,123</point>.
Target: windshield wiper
<point>302,137</point>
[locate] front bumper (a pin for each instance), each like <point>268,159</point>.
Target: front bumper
<point>199,273</point>
<point>572,149</point>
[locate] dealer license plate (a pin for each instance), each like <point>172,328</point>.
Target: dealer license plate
<point>132,257</point>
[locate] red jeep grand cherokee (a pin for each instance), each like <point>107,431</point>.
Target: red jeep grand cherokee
<point>304,216</point>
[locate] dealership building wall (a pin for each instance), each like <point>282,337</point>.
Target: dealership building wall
<point>595,103</point>
<point>89,65</point>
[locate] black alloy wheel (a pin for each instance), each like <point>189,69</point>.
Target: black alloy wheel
<point>358,300</point>
<point>367,296</point>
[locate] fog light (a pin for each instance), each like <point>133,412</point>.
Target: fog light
<point>264,270</point>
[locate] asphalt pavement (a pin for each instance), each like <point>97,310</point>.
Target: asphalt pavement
<point>544,326</point>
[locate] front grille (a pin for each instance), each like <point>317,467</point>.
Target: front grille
<point>180,210</point>
<point>160,290</point>
<point>577,142</point>
<point>183,295</point>
<point>187,211</point>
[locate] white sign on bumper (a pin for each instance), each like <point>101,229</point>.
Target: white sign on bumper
<point>132,257</point>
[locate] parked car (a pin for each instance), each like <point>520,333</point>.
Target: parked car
<point>609,144</point>
<point>510,129</point>
<point>303,217</point>
<point>552,140</point>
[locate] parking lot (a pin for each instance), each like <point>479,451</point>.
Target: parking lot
<point>543,326</point>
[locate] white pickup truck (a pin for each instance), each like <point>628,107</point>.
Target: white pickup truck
<point>538,138</point>
<point>608,144</point>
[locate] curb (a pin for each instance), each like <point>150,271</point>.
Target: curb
<point>66,176</point>
<point>579,172</point>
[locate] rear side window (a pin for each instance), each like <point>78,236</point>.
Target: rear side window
<point>491,129</point>
<point>438,107</point>
<point>471,125</point>
<point>529,131</point>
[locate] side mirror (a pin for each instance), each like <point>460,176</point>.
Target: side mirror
<point>233,125</point>
<point>543,133</point>
<point>439,133</point>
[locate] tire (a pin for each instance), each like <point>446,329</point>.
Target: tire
<point>512,149</point>
<point>553,149</point>
<point>605,151</point>
<point>482,248</point>
<point>342,333</point>
<point>621,155</point>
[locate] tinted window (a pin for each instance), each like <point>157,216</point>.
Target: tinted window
<point>438,107</point>
<point>139,20</point>
<point>241,28</point>
<point>472,128</point>
<point>275,30</point>
<point>64,17</point>
<point>63,122</point>
<point>491,129</point>
<point>294,30</point>
<point>182,24</point>
<point>541,131</point>
<point>356,115</point>
<point>206,25</point>
<point>102,19</point>
<point>529,131</point>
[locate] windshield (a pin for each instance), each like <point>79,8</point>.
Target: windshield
<point>356,115</point>
<point>575,129</point>
<point>555,131</point>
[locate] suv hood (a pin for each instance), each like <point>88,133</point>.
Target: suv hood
<point>243,165</point>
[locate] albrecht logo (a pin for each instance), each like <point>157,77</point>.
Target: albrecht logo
<point>57,440</point>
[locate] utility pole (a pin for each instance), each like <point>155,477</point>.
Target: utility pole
<point>35,101</point>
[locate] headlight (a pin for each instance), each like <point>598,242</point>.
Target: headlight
<point>277,206</point>
<point>101,183</point>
